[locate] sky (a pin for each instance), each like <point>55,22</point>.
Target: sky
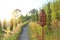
<point>8,6</point>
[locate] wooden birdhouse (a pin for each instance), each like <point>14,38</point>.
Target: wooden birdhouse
<point>42,18</point>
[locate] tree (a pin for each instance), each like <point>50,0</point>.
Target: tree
<point>27,17</point>
<point>4,25</point>
<point>37,15</point>
<point>1,31</point>
<point>58,16</point>
<point>21,19</point>
<point>0,27</point>
<point>49,15</point>
<point>34,14</point>
<point>11,24</point>
<point>49,19</point>
<point>15,12</point>
<point>56,6</point>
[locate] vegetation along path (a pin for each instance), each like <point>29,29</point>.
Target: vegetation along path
<point>24,34</point>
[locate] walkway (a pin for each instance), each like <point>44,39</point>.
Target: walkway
<point>24,34</point>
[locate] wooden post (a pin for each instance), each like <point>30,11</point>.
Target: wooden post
<point>42,33</point>
<point>42,17</point>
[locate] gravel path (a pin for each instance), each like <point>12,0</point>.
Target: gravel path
<point>24,34</point>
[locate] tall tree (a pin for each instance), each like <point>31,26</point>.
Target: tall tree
<point>0,27</point>
<point>27,17</point>
<point>49,15</point>
<point>34,14</point>
<point>4,25</point>
<point>21,19</point>
<point>49,19</point>
<point>1,31</point>
<point>11,24</point>
<point>15,12</point>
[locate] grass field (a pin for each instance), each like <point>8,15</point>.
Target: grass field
<point>35,32</point>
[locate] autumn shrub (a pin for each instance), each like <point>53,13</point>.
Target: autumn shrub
<point>16,32</point>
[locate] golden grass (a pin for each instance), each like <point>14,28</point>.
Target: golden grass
<point>35,30</point>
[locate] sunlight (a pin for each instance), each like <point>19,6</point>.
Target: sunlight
<point>9,5</point>
<point>5,16</point>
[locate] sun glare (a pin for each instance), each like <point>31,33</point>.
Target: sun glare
<point>5,16</point>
